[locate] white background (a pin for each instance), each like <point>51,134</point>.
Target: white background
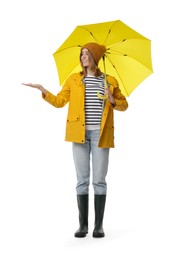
<point>38,210</point>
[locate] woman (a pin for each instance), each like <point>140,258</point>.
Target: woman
<point>90,128</point>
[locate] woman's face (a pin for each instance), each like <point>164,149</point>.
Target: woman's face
<point>85,57</point>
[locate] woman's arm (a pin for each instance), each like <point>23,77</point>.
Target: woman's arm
<point>117,99</point>
<point>58,100</point>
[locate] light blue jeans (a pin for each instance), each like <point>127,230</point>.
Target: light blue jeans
<point>83,155</point>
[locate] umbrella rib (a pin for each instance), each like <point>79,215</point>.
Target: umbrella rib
<point>123,54</point>
<point>70,47</point>
<point>89,32</point>
<point>106,39</point>
<point>109,51</point>
<point>108,58</point>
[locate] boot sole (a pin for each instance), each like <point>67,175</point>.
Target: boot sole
<point>81,234</point>
<point>98,235</point>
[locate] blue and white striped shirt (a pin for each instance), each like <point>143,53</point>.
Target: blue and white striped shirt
<point>93,104</point>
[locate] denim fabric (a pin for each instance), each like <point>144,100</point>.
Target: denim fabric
<point>87,155</point>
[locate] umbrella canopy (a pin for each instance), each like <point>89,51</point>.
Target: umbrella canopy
<point>127,56</point>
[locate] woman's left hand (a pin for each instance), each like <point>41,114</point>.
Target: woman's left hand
<point>110,96</point>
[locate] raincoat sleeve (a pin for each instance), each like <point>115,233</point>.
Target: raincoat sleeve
<point>60,99</point>
<point>120,99</point>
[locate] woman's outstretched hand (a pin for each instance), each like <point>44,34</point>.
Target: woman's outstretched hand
<point>37,86</point>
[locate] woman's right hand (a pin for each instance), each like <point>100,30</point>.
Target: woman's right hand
<point>38,86</point>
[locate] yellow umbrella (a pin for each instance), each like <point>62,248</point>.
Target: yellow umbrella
<point>127,58</point>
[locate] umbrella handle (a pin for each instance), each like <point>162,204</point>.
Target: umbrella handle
<point>102,97</point>
<point>106,85</point>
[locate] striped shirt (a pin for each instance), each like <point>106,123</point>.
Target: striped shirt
<point>93,105</point>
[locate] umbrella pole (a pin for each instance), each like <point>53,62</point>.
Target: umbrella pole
<point>105,79</point>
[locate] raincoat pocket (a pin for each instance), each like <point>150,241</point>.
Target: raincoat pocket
<point>75,129</point>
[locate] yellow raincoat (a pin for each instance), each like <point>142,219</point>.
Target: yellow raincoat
<point>73,92</point>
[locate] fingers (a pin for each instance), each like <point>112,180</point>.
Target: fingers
<point>31,85</point>
<point>27,84</point>
<point>107,92</point>
<point>37,86</point>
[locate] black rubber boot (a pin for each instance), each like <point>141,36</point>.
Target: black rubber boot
<point>83,201</point>
<point>99,202</point>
